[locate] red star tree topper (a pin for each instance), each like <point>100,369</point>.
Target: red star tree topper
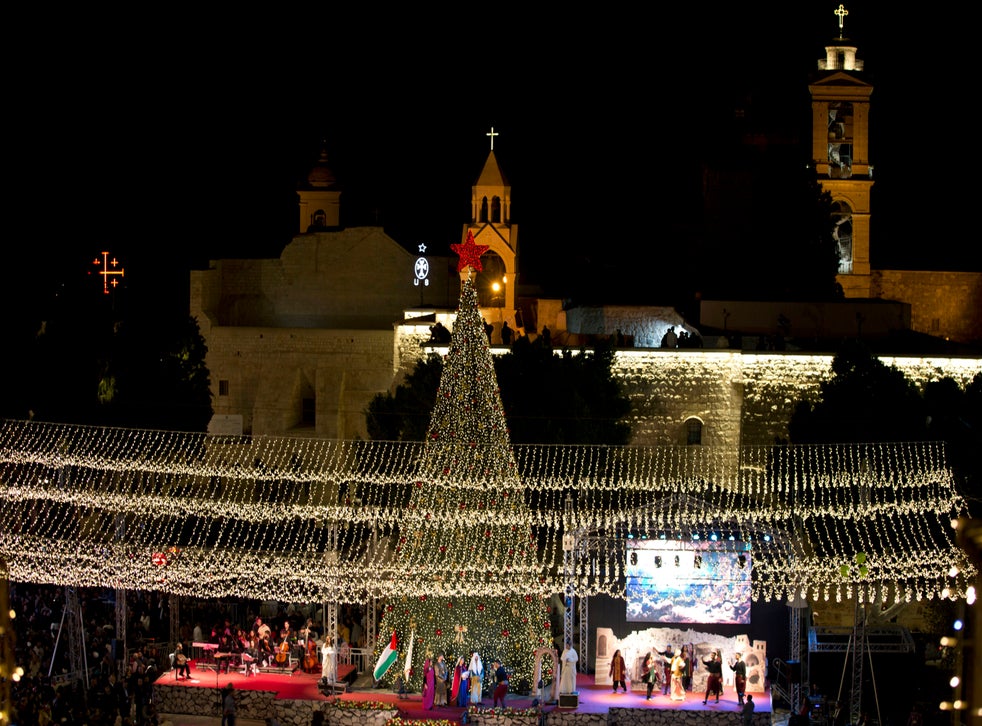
<point>470,253</point>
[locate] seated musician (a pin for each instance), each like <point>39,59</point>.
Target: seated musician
<point>181,662</point>
<point>287,635</point>
<point>261,628</point>
<point>265,651</point>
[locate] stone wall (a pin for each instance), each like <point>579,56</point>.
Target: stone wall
<point>943,304</point>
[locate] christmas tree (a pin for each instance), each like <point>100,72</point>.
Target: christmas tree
<point>472,579</point>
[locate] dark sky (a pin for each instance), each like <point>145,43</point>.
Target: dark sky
<point>176,139</point>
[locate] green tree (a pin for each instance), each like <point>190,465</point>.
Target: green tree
<point>405,414</point>
<point>864,400</point>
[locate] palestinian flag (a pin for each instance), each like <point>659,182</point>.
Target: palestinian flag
<point>386,658</point>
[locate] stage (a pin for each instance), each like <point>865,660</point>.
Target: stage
<point>294,698</point>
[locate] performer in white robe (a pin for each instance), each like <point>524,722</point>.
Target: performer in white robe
<point>329,666</point>
<point>567,677</point>
<point>477,678</point>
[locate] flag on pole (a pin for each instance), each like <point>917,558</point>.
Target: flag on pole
<point>387,657</point>
<point>409,657</point>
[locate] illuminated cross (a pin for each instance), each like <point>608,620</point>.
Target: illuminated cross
<point>492,134</point>
<point>106,272</point>
<point>842,13</point>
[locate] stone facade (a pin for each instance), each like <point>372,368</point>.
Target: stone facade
<point>250,704</point>
<point>943,304</point>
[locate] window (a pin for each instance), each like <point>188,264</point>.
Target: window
<point>223,388</point>
<point>307,412</point>
<point>693,432</point>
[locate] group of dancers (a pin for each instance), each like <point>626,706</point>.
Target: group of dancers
<point>462,686</point>
<point>672,669</point>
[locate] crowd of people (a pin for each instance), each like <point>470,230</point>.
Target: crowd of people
<point>117,687</point>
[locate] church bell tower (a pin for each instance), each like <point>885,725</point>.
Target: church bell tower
<point>491,225</point>
<point>840,99</point>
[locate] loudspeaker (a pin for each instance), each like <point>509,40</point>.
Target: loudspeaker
<point>569,700</point>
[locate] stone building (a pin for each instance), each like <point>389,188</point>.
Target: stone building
<point>299,345</point>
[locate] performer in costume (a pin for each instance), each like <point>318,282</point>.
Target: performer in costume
<point>501,683</point>
<point>429,684</point>
<point>617,670</point>
<point>714,684</point>
<point>678,669</point>
<point>666,666</point>
<point>440,673</point>
<point>476,670</point>
<point>567,673</point>
<point>687,673</point>
<point>463,681</point>
<point>739,669</point>
<point>329,664</point>
<point>649,674</point>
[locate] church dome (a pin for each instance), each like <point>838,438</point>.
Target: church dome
<point>321,176</point>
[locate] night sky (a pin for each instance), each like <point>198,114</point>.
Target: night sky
<point>180,140</point>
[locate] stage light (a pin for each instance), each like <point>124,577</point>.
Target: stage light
<point>662,536</point>
<point>957,625</point>
<point>695,535</point>
<point>630,536</point>
<point>767,538</point>
<point>731,538</point>
<point>713,536</point>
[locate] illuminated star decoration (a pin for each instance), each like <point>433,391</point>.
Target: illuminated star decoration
<point>422,247</point>
<point>470,253</point>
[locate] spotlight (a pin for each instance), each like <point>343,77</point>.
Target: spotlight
<point>958,625</point>
<point>767,538</point>
<point>713,536</point>
<point>695,535</point>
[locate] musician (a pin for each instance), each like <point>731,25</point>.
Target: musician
<point>307,631</point>
<point>266,650</point>
<point>261,628</point>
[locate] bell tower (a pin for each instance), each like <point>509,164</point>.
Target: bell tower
<point>491,225</point>
<point>840,99</point>
<point>319,197</point>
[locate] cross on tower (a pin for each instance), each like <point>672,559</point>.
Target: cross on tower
<point>492,133</point>
<point>842,13</point>
<point>106,271</point>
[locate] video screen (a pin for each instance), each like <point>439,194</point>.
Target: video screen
<point>668,582</point>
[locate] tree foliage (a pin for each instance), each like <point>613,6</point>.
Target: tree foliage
<point>866,400</point>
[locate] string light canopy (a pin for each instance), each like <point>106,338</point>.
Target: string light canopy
<point>463,513</point>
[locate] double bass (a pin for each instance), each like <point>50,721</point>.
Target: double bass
<point>310,662</point>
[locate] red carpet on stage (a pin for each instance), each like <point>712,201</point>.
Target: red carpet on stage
<point>592,698</point>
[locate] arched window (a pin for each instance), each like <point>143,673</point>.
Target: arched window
<point>496,209</point>
<point>602,646</point>
<point>842,232</point>
<point>484,210</point>
<point>693,432</point>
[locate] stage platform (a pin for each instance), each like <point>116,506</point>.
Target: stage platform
<point>294,698</point>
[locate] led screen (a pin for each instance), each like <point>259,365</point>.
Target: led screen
<point>698,583</point>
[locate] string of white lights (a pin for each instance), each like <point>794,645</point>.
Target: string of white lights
<point>201,515</point>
